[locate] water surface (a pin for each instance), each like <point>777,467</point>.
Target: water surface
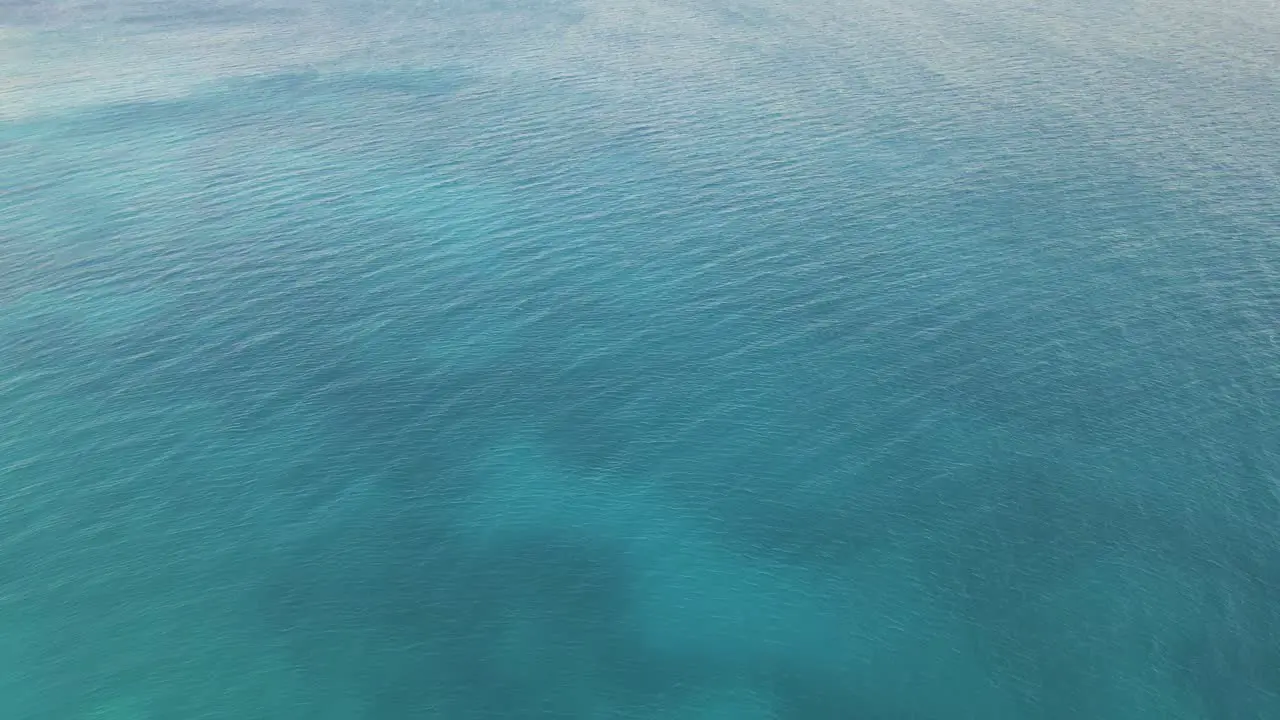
<point>679,359</point>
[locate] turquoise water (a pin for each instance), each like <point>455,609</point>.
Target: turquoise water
<point>661,360</point>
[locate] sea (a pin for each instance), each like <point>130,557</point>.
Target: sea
<point>639,360</point>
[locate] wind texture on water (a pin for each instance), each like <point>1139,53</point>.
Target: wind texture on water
<point>654,360</point>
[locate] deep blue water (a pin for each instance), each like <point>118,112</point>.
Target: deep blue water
<point>665,360</point>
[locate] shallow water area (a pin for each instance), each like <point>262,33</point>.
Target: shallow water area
<point>653,360</point>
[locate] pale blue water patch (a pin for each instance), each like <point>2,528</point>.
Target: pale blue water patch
<point>679,361</point>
